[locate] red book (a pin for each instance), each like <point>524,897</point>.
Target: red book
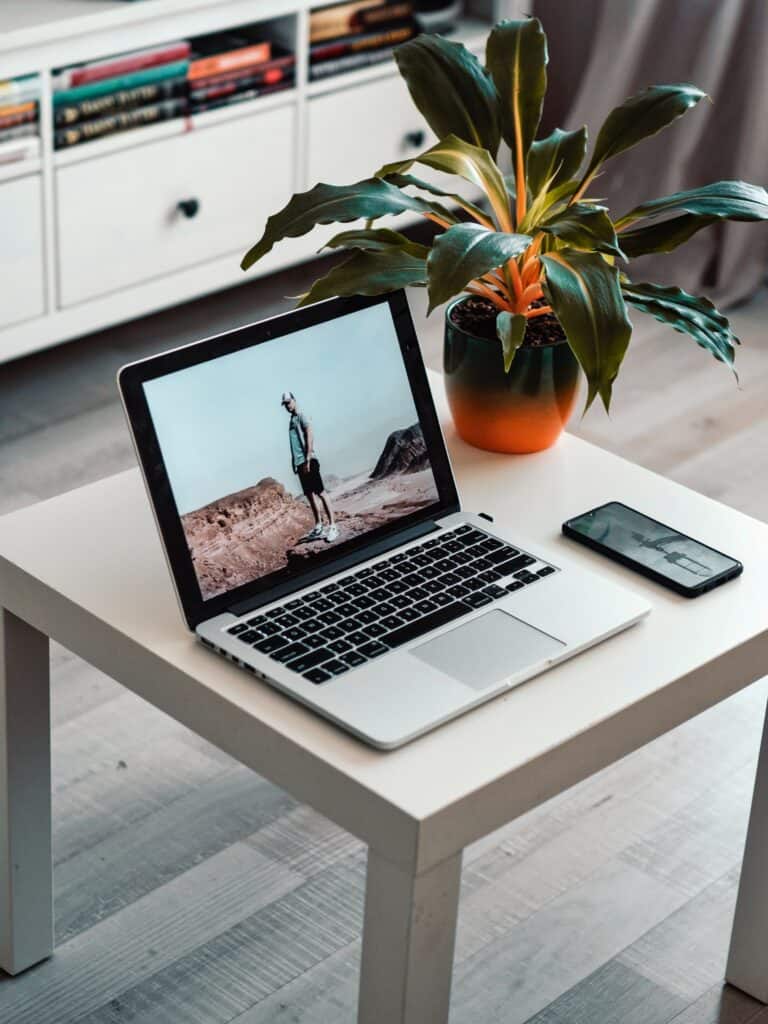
<point>277,64</point>
<point>98,70</point>
<point>357,44</point>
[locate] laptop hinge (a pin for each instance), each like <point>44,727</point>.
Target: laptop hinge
<point>332,568</point>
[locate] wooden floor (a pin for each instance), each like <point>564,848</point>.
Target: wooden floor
<point>190,891</point>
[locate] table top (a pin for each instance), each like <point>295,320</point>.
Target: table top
<point>87,568</point>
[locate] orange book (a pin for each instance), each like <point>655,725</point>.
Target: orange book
<point>18,108</point>
<point>231,61</point>
<point>328,22</point>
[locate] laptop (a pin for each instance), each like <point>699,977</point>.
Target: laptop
<point>314,532</point>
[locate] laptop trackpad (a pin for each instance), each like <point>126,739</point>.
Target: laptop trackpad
<point>488,649</point>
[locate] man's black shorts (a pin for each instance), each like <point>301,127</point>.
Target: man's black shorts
<point>311,481</point>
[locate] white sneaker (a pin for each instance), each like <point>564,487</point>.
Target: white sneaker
<point>315,533</point>
<point>332,533</point>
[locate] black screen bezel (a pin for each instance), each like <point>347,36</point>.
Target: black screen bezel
<point>131,379</point>
<point>735,569</point>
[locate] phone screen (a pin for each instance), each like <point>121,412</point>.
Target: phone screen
<point>651,544</point>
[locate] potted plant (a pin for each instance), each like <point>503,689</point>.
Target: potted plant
<point>535,274</point>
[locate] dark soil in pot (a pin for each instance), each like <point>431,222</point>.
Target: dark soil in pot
<point>477,316</point>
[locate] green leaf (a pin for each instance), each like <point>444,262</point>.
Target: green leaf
<point>464,252</point>
<point>410,180</point>
<point>722,200</point>
<point>368,273</point>
<point>377,240</point>
<point>516,56</point>
<point>510,327</point>
<point>584,226</point>
<point>545,201</point>
<point>663,236</point>
<point>451,89</point>
<point>556,159</point>
<point>454,156</point>
<point>585,295</point>
<point>640,117</point>
<point>690,314</point>
<point>328,204</point>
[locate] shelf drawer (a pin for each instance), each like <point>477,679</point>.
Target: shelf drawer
<point>21,254</point>
<point>153,209</point>
<point>354,131</point>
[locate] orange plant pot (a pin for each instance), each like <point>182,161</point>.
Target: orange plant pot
<point>522,411</point>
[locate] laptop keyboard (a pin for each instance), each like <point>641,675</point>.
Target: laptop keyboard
<point>359,617</point>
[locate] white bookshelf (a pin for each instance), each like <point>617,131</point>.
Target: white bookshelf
<point>97,233</point>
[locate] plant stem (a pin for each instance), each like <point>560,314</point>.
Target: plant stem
<point>477,288</point>
<point>539,311</point>
<point>530,294</point>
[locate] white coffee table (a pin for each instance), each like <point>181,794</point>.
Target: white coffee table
<point>86,569</point>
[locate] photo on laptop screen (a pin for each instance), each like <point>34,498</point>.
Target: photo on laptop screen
<point>280,451</point>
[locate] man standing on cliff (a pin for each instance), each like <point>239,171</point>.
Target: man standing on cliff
<point>305,464</point>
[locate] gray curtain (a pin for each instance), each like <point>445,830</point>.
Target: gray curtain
<point>602,51</point>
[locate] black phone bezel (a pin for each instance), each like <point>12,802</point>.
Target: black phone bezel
<point>643,570</point>
<point>131,379</point>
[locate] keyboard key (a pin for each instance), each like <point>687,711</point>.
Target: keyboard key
<point>357,638</point>
<point>379,594</point>
<point>366,617</point>
<point>502,554</point>
<point>331,588</point>
<point>478,599</point>
<point>272,643</point>
<point>431,543</point>
<point>385,608</point>
<point>387,575</point>
<point>346,609</point>
<point>375,629</point>
<point>314,641</point>
<point>495,592</point>
<point>321,604</point>
<point>546,571</point>
<point>338,597</point>
<point>309,660</point>
<point>286,620</point>
<point>355,589</point>
<point>354,658</point>
<point>424,607</point>
<point>373,649</point>
<point>250,635</point>
<point>450,579</point>
<point>361,603</point>
<point>425,624</point>
<point>513,564</point>
<point>305,612</point>
<point>332,633</point>
<point>429,572</point>
<point>462,557</point>
<point>365,572</point>
<point>465,528</point>
<point>490,576</point>
<point>290,605</point>
<point>391,622</point>
<point>490,544</point>
<point>399,557</point>
<point>397,587</point>
<point>445,565</point>
<point>340,646</point>
<point>454,546</point>
<point>465,572</point>
<point>408,614</point>
<point>418,594</point>
<point>330,618</point>
<point>401,601</point>
<point>475,583</point>
<point>458,591</point>
<point>481,564</point>
<point>413,579</point>
<point>433,587</point>
<point>312,625</point>
<point>290,652</point>
<point>349,625</point>
<point>335,667</point>
<point>294,633</point>
<point>515,585</point>
<point>317,675</point>
<point>442,599</point>
<point>258,621</point>
<point>526,577</point>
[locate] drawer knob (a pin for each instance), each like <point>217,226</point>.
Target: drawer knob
<point>188,207</point>
<point>417,139</point>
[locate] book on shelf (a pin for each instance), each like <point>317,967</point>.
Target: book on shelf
<point>99,127</point>
<point>218,53</point>
<point>352,62</point>
<point>176,69</point>
<point>238,97</point>
<point>20,131</point>
<point>19,90</point>
<point>18,113</point>
<point>359,43</point>
<point>13,151</point>
<point>275,65</point>
<point>123,99</point>
<point>229,87</point>
<point>111,67</point>
<point>346,19</point>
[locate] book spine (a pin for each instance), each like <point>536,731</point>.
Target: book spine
<point>333,21</point>
<point>125,99</point>
<point>11,120</point>
<point>357,44</point>
<point>137,61</point>
<point>21,131</point>
<point>98,128</point>
<point>21,149</point>
<point>216,90</point>
<point>359,21</point>
<point>352,62</point>
<point>238,97</point>
<point>230,61</point>
<point>18,90</point>
<point>276,64</point>
<point>176,69</point>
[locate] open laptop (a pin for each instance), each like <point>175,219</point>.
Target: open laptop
<point>315,536</point>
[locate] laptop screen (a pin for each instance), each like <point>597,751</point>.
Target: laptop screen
<point>282,452</point>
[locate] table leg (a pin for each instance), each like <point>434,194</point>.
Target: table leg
<point>748,957</point>
<point>26,886</point>
<point>408,942</point>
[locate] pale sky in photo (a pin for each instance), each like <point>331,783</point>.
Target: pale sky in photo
<point>221,427</point>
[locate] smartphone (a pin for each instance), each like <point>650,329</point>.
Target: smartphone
<point>649,547</point>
